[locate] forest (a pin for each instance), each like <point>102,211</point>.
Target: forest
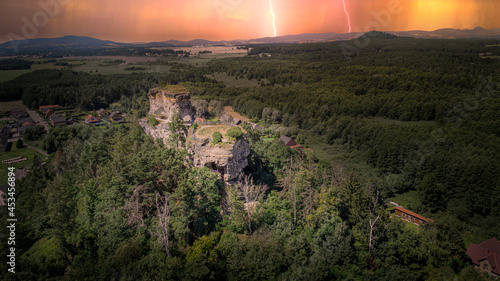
<point>415,118</point>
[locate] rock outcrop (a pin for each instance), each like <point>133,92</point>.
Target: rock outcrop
<point>165,102</point>
<point>228,159</point>
<point>157,132</point>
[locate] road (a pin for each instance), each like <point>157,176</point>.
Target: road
<point>38,119</point>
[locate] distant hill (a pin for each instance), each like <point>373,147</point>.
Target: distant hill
<point>450,33</point>
<point>71,42</point>
<point>66,42</point>
<point>381,35</point>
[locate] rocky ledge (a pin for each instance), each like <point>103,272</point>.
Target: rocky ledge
<point>228,159</point>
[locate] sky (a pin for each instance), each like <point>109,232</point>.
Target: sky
<point>160,20</point>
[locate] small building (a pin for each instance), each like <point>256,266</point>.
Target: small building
<point>16,112</point>
<point>254,125</point>
<point>71,121</point>
<point>49,112</point>
<point>24,120</point>
<point>199,120</point>
<point>57,119</point>
<point>91,120</point>
<point>28,123</point>
<point>21,130</point>
<point>486,256</point>
<point>5,131</point>
<point>19,115</point>
<point>116,116</point>
<point>41,108</point>
<point>236,121</point>
<point>287,141</point>
<point>102,112</point>
<point>410,216</point>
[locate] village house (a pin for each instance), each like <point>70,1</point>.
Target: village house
<point>18,112</point>
<point>43,107</point>
<point>254,125</point>
<point>287,141</point>
<point>102,112</point>
<point>5,131</point>
<point>199,120</point>
<point>410,216</point>
<point>116,116</point>
<point>57,119</point>
<point>91,120</point>
<point>28,123</point>
<point>19,115</point>
<point>22,129</point>
<point>486,256</point>
<point>49,112</point>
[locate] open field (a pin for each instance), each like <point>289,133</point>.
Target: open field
<point>230,111</point>
<point>6,75</point>
<point>9,105</point>
<point>98,66</point>
<point>207,131</point>
<point>338,153</point>
<point>15,152</point>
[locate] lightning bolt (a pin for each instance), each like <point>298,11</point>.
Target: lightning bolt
<point>274,17</point>
<point>348,18</point>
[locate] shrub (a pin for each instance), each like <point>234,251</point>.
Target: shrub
<point>34,133</point>
<point>152,121</point>
<point>235,133</point>
<point>216,138</point>
<point>19,143</point>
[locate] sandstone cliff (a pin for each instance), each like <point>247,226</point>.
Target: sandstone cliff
<point>228,159</point>
<point>157,132</point>
<point>165,102</point>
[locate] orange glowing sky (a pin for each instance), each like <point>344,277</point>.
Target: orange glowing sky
<point>159,20</point>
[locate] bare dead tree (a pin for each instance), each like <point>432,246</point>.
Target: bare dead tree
<point>309,198</point>
<point>251,194</point>
<point>289,185</point>
<point>374,218</point>
<point>133,206</point>
<point>163,228</point>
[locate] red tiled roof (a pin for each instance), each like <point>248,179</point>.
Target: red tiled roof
<point>42,107</point>
<point>413,214</point>
<point>486,250</point>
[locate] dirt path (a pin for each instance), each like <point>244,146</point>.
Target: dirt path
<point>37,150</point>
<point>230,111</point>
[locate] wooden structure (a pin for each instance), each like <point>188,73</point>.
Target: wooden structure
<point>486,256</point>
<point>91,120</point>
<point>410,216</point>
<point>288,141</point>
<point>41,108</point>
<point>57,119</point>
<point>116,116</point>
